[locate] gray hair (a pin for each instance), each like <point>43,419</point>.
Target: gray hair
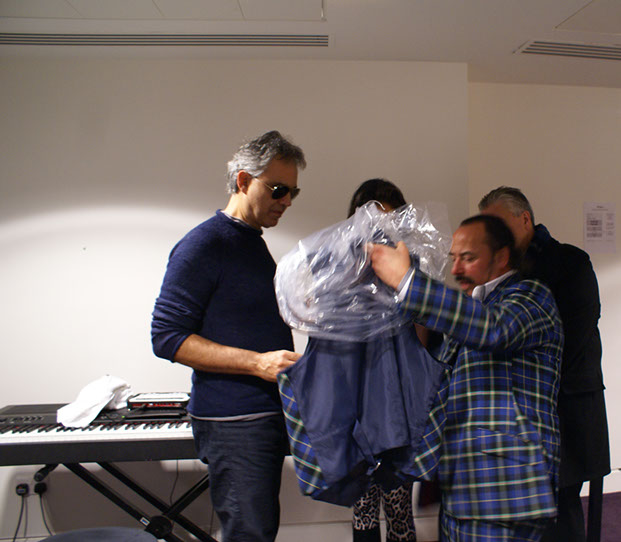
<point>512,198</point>
<point>255,156</point>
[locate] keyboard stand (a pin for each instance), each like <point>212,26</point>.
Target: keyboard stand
<point>159,526</point>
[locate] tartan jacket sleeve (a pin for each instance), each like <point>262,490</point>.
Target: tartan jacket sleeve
<point>498,444</point>
<point>518,314</point>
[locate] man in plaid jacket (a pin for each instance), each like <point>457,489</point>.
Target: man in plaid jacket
<point>494,442</point>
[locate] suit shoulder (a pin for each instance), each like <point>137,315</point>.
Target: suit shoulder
<point>573,253</point>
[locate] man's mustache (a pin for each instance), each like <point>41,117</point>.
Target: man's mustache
<point>462,279</point>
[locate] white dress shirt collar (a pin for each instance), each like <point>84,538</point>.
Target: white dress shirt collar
<point>481,291</point>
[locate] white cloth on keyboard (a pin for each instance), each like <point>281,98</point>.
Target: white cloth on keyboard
<point>105,392</point>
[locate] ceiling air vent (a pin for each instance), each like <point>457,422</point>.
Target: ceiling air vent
<point>226,40</point>
<point>578,50</point>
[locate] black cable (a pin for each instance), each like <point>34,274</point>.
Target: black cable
<point>43,515</point>
<point>174,486</point>
<point>25,516</point>
<point>19,520</point>
<point>211,519</point>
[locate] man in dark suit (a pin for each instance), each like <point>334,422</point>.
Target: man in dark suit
<point>494,442</point>
<point>567,270</point>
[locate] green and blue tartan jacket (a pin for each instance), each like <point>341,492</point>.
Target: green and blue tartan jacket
<point>493,441</point>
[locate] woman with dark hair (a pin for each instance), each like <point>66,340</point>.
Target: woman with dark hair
<point>380,190</point>
<point>397,503</point>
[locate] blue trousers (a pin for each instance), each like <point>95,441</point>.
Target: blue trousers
<point>245,461</point>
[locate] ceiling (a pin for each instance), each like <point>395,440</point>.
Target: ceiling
<point>568,42</point>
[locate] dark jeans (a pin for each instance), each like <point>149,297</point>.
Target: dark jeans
<point>245,461</point>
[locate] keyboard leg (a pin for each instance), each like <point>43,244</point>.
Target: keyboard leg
<point>189,496</point>
<point>110,494</point>
<point>42,473</point>
<point>170,512</point>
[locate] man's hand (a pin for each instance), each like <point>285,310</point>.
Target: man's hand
<point>205,355</point>
<point>271,363</point>
<point>390,264</point>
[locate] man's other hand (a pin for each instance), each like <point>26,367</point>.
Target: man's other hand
<point>390,264</point>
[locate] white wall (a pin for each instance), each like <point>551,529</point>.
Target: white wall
<point>562,147</point>
<point>106,163</point>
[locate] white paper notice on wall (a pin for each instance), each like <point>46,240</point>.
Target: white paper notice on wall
<point>599,227</point>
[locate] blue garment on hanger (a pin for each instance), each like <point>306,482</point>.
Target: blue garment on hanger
<point>357,410</point>
<point>357,402</point>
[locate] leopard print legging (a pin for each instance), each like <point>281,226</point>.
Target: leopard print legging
<point>397,512</point>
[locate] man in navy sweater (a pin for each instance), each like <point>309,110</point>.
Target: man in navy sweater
<point>217,313</point>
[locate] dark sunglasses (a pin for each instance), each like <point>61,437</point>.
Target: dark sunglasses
<point>281,190</point>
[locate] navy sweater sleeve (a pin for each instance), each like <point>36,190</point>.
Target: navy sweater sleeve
<point>191,275</point>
